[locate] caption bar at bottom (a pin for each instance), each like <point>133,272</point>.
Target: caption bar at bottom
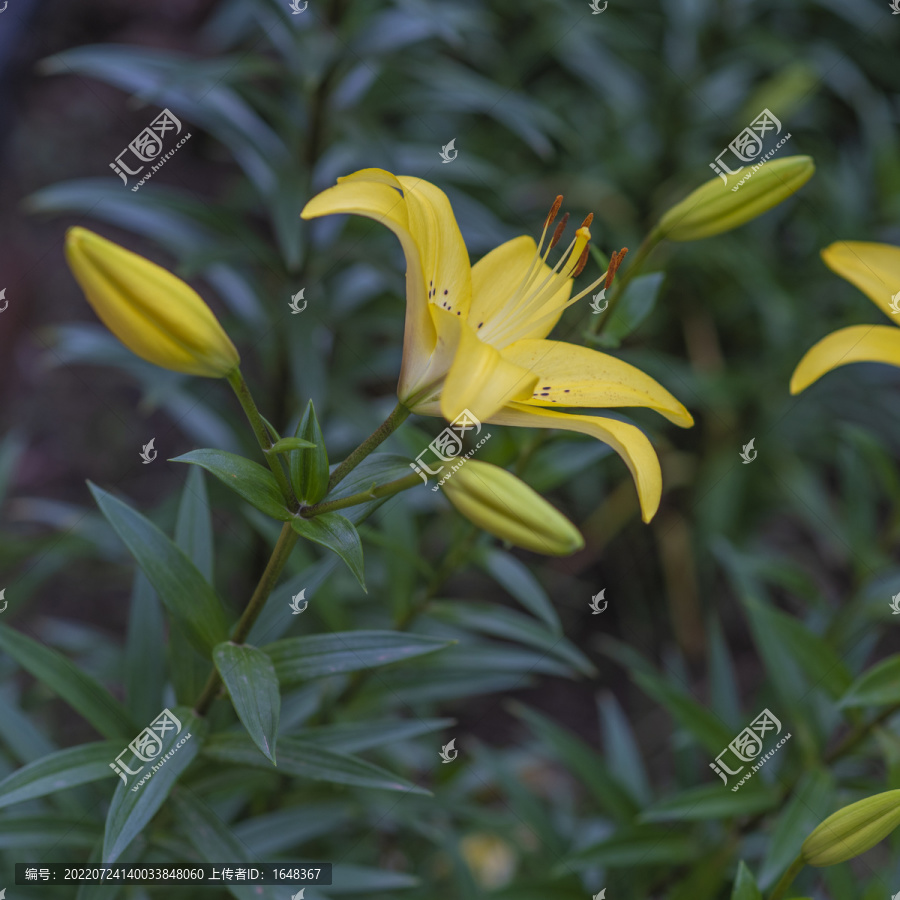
<point>199,874</point>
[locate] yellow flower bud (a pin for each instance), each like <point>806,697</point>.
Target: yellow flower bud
<point>151,311</point>
<point>852,830</point>
<point>500,503</point>
<point>716,206</point>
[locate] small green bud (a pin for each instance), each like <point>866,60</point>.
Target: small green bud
<point>309,468</point>
<point>853,830</point>
<point>718,206</point>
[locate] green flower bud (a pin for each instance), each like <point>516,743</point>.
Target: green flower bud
<point>852,830</point>
<point>503,505</point>
<point>717,206</point>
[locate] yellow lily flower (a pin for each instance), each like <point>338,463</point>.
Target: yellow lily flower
<point>150,310</point>
<point>475,335</point>
<point>875,270</point>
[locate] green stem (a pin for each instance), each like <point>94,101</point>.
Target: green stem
<point>375,493</point>
<point>382,433</point>
<point>787,879</point>
<point>860,733</point>
<point>245,398</point>
<point>264,587</point>
<point>598,323</point>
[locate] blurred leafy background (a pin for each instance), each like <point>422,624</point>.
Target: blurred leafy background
<point>584,741</point>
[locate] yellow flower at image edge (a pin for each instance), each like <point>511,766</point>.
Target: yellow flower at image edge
<point>151,311</point>
<point>475,335</point>
<point>875,270</point>
<point>503,505</point>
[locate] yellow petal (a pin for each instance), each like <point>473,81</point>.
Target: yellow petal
<point>445,259</point>
<point>496,279</point>
<point>858,343</point>
<point>376,198</point>
<point>627,440</point>
<point>482,380</point>
<point>437,262</point>
<point>873,268</point>
<point>150,310</point>
<point>498,502</point>
<point>569,375</point>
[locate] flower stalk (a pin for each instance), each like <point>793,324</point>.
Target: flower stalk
<point>787,879</point>
<point>277,561</point>
<point>397,417</point>
<point>374,493</point>
<point>245,398</point>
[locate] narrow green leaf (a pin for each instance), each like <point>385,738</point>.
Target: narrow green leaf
<point>711,801</point>
<point>285,445</point>
<point>354,737</point>
<point>878,686</point>
<point>515,577</point>
<point>253,482</point>
<point>303,658</point>
<point>193,526</point>
<point>145,674</point>
<point>30,833</point>
<point>215,841</point>
<point>745,887</point>
<point>818,660</point>
<point>308,760</point>
<point>185,593</point>
<point>134,804</point>
<point>60,770</point>
<point>250,678</point>
<point>81,691</point>
<point>338,534</point>
<point>496,621</point>
<point>585,763</point>
<point>623,754</point>
<point>309,470</point>
<point>643,846</point>
<point>687,711</point>
<point>194,537</point>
